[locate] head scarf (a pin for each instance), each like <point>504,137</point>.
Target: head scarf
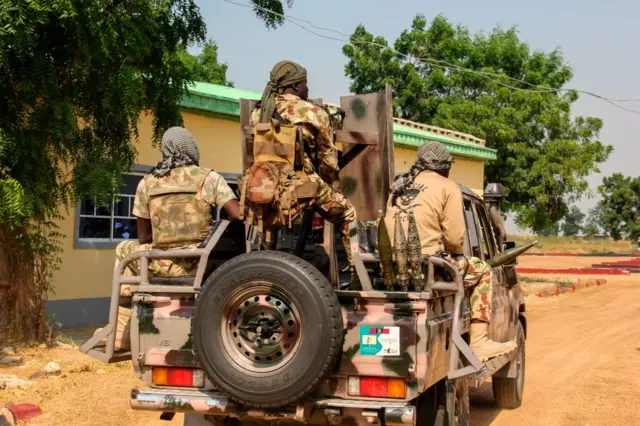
<point>431,156</point>
<point>179,148</point>
<point>283,75</point>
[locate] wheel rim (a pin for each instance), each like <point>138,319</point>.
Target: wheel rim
<point>260,328</point>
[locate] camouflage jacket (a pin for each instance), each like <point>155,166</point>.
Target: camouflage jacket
<point>317,133</point>
<point>179,204</point>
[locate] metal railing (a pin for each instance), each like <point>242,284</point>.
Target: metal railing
<point>109,331</point>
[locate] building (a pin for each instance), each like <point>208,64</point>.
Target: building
<point>211,112</point>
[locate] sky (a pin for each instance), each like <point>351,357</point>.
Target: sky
<point>599,39</point>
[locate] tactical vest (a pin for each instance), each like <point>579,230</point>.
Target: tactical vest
<point>274,184</point>
<point>179,214</point>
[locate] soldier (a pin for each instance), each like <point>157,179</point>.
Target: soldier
<point>436,202</point>
<point>493,195</point>
<point>286,97</point>
<point>173,205</point>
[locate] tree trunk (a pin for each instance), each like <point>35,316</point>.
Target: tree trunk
<point>18,310</point>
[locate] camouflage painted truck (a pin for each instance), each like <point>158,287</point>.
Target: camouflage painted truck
<point>275,335</point>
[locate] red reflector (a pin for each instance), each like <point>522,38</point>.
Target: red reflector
<point>180,377</point>
<point>374,386</point>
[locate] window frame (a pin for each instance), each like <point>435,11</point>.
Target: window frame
<point>469,225</point>
<point>87,243</point>
<point>485,230</point>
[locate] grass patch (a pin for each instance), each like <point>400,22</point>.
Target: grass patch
<point>578,245</point>
<point>559,282</point>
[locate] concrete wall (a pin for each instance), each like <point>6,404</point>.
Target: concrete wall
<point>83,284</point>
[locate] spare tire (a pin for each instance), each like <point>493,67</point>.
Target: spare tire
<point>267,328</point>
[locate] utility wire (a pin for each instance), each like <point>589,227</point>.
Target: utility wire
<point>434,62</point>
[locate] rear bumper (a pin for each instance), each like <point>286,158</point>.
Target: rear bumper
<point>326,411</point>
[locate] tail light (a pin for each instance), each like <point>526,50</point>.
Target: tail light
<point>378,387</point>
<point>181,377</point>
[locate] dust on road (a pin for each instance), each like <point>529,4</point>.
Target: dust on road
<point>583,361</point>
<point>583,368</point>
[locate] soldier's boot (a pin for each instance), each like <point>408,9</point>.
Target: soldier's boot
<point>123,335</point>
<point>346,243</point>
<point>485,348</point>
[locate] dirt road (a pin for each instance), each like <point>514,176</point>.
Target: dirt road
<point>583,361</point>
<point>583,368</point>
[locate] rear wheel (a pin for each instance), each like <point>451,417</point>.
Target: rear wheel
<point>267,328</point>
<point>445,404</point>
<point>508,391</point>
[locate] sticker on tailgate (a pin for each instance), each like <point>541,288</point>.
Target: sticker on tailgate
<point>379,341</point>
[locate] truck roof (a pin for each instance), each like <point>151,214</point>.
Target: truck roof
<point>470,193</point>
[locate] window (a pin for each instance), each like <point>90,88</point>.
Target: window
<point>105,228</point>
<point>474,241</point>
<point>481,221</point>
<point>101,228</point>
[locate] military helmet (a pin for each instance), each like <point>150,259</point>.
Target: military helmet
<point>494,192</point>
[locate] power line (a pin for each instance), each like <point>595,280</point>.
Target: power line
<point>435,62</point>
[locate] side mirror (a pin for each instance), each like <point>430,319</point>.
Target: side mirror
<point>508,245</point>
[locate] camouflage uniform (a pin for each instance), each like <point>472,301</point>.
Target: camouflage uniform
<point>318,139</point>
<point>168,232</point>
<point>182,219</point>
<point>480,273</point>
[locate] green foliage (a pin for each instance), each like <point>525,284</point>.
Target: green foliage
<point>593,224</point>
<point>572,224</point>
<point>552,230</point>
<point>74,79</point>
<point>620,206</point>
<point>544,154</point>
<point>269,11</point>
<point>205,67</point>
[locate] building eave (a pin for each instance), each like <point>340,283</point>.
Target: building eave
<point>225,103</point>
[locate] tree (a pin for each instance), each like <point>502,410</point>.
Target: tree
<point>205,67</point>
<point>551,231</point>
<point>621,206</point>
<point>271,11</point>
<point>572,224</point>
<point>594,222</point>
<point>544,154</point>
<point>74,79</point>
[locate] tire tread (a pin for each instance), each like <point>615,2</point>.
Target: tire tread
<point>320,282</point>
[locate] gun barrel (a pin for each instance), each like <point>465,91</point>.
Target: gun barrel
<point>509,255</point>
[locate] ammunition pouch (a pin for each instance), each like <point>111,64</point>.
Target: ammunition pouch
<point>274,187</point>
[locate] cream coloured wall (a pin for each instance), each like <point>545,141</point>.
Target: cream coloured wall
<point>87,273</point>
<point>464,172</point>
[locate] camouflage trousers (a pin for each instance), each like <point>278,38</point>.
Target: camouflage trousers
<point>334,207</point>
<point>162,268</point>
<point>479,273</point>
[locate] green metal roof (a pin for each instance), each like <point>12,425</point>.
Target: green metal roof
<point>225,101</point>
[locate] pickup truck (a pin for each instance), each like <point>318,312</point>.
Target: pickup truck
<point>275,335</point>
